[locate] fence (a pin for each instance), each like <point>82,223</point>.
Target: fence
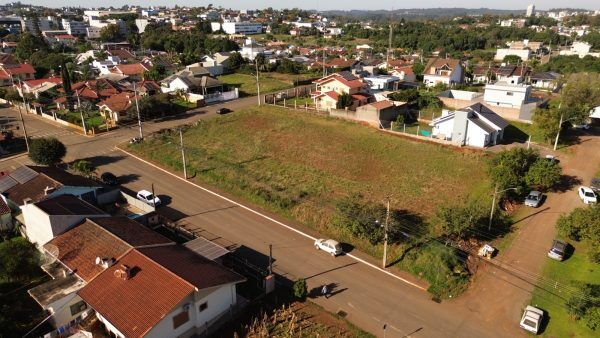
<point>284,94</point>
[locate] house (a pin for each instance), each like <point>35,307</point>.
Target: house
<point>544,80</point>
<point>221,58</point>
<point>404,73</point>
<point>31,184</point>
<point>10,74</point>
<point>80,254</point>
<point>507,94</point>
<point>192,80</point>
<point>38,86</point>
<point>5,214</point>
<point>581,49</point>
<point>329,89</point>
<point>200,292</point>
<point>382,82</point>
<point>116,106</point>
<point>251,49</point>
<point>147,88</point>
<point>523,49</point>
<point>244,28</point>
<point>211,65</point>
<point>46,219</point>
<point>475,126</point>
<point>445,71</point>
<point>134,71</point>
<point>381,112</point>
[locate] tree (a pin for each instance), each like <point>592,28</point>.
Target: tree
<point>344,101</point>
<point>109,33</point>
<point>46,151</point>
<point>543,174</point>
<point>406,95</point>
<point>300,289</point>
<point>83,167</point>
<point>66,84</point>
<point>585,304</point>
<point>27,45</point>
<point>512,59</point>
<point>508,168</point>
<point>583,224</point>
<point>580,94</point>
<point>19,259</point>
<point>459,220</point>
<point>156,73</point>
<point>547,121</point>
<point>235,60</point>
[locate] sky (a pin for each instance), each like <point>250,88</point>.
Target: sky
<point>328,4</point>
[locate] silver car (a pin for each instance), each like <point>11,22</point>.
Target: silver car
<point>330,246</point>
<point>534,199</point>
<point>558,250</point>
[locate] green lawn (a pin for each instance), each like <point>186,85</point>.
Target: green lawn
<point>92,118</point>
<point>247,83</point>
<point>520,132</point>
<point>577,268</point>
<point>301,165</point>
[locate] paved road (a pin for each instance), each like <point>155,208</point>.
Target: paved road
<point>369,297</point>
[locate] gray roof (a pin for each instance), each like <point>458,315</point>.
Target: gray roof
<point>545,76</point>
<point>488,114</point>
<point>482,124</point>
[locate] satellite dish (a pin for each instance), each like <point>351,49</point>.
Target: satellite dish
<point>98,260</point>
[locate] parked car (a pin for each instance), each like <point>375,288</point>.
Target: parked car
<point>558,249</point>
<point>109,178</point>
<point>584,126</point>
<point>329,245</point>
<point>534,199</point>
<point>587,195</point>
<point>223,110</point>
<point>595,184</point>
<point>552,158</point>
<point>135,140</point>
<point>532,318</point>
<point>148,198</point>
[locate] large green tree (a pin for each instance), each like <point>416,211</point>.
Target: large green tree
<point>509,168</point>
<point>547,120</point>
<point>46,151</point>
<point>543,174</point>
<point>27,45</point>
<point>19,259</point>
<point>580,94</point>
<point>110,33</point>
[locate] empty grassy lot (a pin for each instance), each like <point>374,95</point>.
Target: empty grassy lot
<point>247,83</point>
<point>576,269</point>
<point>300,165</point>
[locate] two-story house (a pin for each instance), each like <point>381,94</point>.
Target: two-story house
<point>446,71</point>
<point>11,73</point>
<point>329,89</point>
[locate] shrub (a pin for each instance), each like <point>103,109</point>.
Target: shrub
<point>83,167</point>
<point>300,289</point>
<point>583,224</point>
<point>46,151</point>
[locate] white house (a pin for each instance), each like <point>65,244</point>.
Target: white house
<point>509,95</point>
<point>446,71</point>
<point>475,126</point>
<point>382,82</point>
<point>595,113</point>
<point>581,49</point>
<point>251,49</point>
<point>501,53</point>
<point>544,80</point>
<point>49,218</point>
<point>200,293</point>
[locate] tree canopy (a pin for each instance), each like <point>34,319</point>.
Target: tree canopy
<point>46,151</point>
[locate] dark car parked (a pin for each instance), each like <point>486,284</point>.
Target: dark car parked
<point>222,111</point>
<point>109,178</point>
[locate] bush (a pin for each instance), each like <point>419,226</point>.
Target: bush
<point>46,151</point>
<point>585,305</point>
<point>19,259</point>
<point>83,167</point>
<point>583,224</point>
<point>300,289</point>
<point>509,168</point>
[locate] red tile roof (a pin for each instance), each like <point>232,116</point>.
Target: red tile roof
<point>118,102</point>
<point>135,305</point>
<point>7,70</point>
<point>406,69</point>
<point>382,104</point>
<point>130,69</point>
<point>37,82</point>
<point>4,208</point>
<point>64,36</point>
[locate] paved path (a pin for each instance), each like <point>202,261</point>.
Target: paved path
<point>369,296</point>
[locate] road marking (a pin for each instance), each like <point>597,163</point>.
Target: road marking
<point>350,305</point>
<point>269,218</point>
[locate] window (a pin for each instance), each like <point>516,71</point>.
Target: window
<point>509,93</point>
<point>180,319</point>
<point>78,307</point>
<point>203,307</point>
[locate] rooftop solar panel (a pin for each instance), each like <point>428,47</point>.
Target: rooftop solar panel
<point>23,174</point>
<point>206,248</point>
<point>6,183</point>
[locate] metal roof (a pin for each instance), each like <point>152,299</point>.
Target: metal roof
<point>206,248</point>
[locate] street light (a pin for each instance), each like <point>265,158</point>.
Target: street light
<point>494,204</point>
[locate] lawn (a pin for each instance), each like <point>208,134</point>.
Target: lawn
<point>92,118</point>
<point>520,132</point>
<point>577,268</point>
<point>247,83</point>
<point>301,165</point>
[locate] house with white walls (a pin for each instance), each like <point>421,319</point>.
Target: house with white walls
<point>475,126</point>
<point>129,297</point>
<point>445,71</point>
<point>508,95</point>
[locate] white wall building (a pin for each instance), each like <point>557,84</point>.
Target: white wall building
<point>245,28</point>
<point>509,95</point>
<point>501,53</point>
<point>75,28</point>
<point>530,11</point>
<point>581,49</point>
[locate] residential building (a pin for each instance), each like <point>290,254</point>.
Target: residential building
<point>329,89</point>
<point>115,107</point>
<point>93,32</point>
<point>251,49</point>
<point>38,86</point>
<point>445,71</point>
<point>244,28</point>
<point>134,71</point>
<point>76,28</point>
<point>524,49</point>
<point>141,24</point>
<point>5,214</point>
<point>530,11</point>
<point>581,49</point>
<point>50,217</point>
<point>200,292</point>
<point>11,74</point>
<point>80,254</point>
<point>11,24</point>
<point>506,94</point>
<point>545,80</point>
<point>404,73</point>
<point>475,126</point>
<point>382,82</point>
<point>381,112</point>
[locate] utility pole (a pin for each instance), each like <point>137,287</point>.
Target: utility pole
<point>183,154</point>
<point>494,204</point>
<point>558,132</point>
<point>81,114</point>
<point>270,259</point>
<point>137,108</point>
<point>21,113</point>
<point>257,80</point>
<point>389,42</point>
<point>385,234</point>
<point>324,70</point>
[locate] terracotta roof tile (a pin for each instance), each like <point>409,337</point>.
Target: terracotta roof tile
<point>135,305</point>
<point>130,69</point>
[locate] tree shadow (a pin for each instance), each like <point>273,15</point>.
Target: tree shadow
<point>102,160</point>
<point>514,134</point>
<point>128,178</point>
<point>566,183</point>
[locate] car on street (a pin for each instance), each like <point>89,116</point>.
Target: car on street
<point>587,195</point>
<point>534,199</point>
<point>223,110</point>
<point>148,198</point>
<point>558,249</point>
<point>532,318</point>
<point>109,178</point>
<point>330,246</point>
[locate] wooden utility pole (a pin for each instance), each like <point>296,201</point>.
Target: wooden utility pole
<point>385,234</point>
<point>183,154</point>
<point>257,81</point>
<point>137,108</point>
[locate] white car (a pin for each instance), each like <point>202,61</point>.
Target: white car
<point>148,198</point>
<point>532,318</point>
<point>330,246</point>
<point>587,195</point>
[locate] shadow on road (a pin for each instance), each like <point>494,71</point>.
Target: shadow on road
<point>410,334</point>
<point>567,182</point>
<point>531,215</point>
<point>326,271</point>
<point>128,178</point>
<point>101,160</point>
